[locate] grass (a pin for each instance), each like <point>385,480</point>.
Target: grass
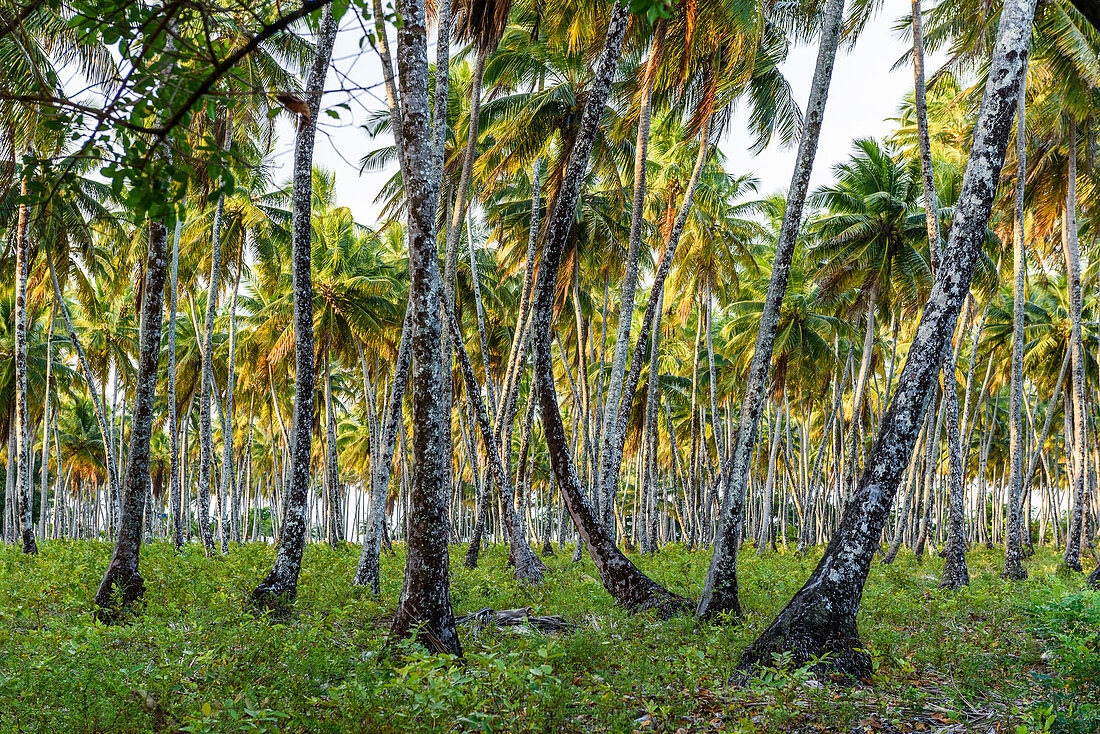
<point>995,656</point>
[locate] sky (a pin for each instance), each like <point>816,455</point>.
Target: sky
<point>863,96</point>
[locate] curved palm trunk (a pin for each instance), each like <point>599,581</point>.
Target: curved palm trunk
<point>425,606</point>
<point>821,618</point>
<point>1014,567</point>
<point>955,574</point>
<point>720,587</point>
<point>228,462</point>
<point>656,294</point>
<point>122,585</point>
<point>629,586</point>
<point>528,567</point>
<point>22,422</point>
<point>609,479</point>
<point>281,584</point>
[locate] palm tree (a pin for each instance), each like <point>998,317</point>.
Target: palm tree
<point>822,615</point>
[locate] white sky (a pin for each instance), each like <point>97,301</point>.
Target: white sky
<point>863,96</point>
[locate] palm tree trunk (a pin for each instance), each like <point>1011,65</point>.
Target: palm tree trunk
<point>228,464</point>
<point>528,567</point>
<point>821,618</point>
<point>425,606</point>
<point>1014,568</point>
<point>1072,557</point>
<point>122,584</point>
<point>23,465</point>
<point>44,471</point>
<point>173,419</point>
<point>720,587</point>
<point>281,584</point>
<point>629,586</point>
<point>656,293</point>
<point>86,370</point>
<point>630,277</point>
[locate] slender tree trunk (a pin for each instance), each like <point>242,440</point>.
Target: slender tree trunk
<point>608,482</point>
<point>821,618</point>
<point>281,584</point>
<point>44,471</point>
<point>425,606</point>
<point>173,420</point>
<point>615,459</point>
<point>122,585</point>
<point>1072,557</point>
<point>720,586</point>
<point>1014,568</point>
<point>629,586</point>
<point>24,463</point>
<point>367,571</point>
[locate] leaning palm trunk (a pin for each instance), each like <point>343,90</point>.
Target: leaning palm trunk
<point>608,480</point>
<point>528,567</point>
<point>22,422</point>
<point>720,587</point>
<point>821,618</point>
<point>628,585</point>
<point>227,423</point>
<point>618,442</point>
<point>281,585</point>
<point>425,606</point>
<point>122,584</point>
<point>955,574</point>
<point>1014,567</point>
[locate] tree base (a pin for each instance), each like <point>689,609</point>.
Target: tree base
<point>275,597</point>
<point>1094,579</point>
<point>1014,571</point>
<point>548,550</point>
<point>806,634</point>
<point>722,602</point>
<point>1068,569</point>
<point>30,546</point>
<point>118,597</point>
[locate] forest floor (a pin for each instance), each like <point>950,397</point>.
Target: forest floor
<point>995,657</point>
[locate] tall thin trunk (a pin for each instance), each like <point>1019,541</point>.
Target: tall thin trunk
<point>821,618</point>
<point>630,277</point>
<point>656,293</point>
<point>122,583</point>
<point>281,584</point>
<point>425,606</point>
<point>23,450</point>
<point>720,587</point>
<point>629,586</point>
<point>1072,557</point>
<point>207,392</point>
<point>173,419</point>
<point>1014,567</point>
<point>44,471</point>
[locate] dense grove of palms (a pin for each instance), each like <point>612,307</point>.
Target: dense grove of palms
<point>650,323</point>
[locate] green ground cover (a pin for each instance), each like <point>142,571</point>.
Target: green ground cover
<point>995,657</point>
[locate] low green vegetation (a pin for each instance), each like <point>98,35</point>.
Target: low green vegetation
<point>1016,658</point>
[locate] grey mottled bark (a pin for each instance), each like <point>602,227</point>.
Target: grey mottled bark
<point>720,587</point>
<point>821,618</point>
<point>609,473</point>
<point>425,606</point>
<point>123,585</point>
<point>1014,567</point>
<point>281,584</point>
<point>23,465</point>
<point>629,586</point>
